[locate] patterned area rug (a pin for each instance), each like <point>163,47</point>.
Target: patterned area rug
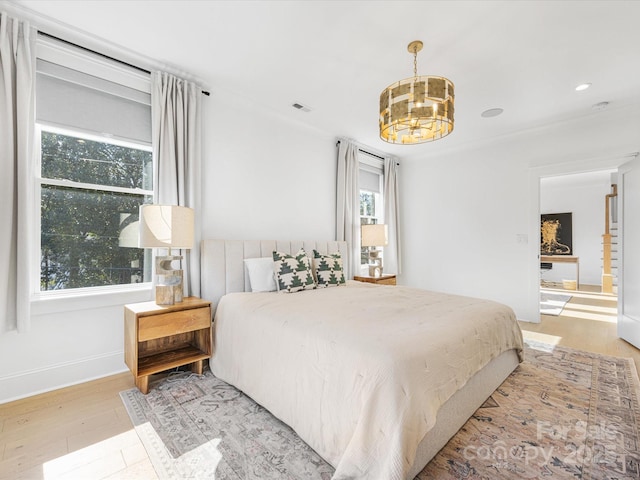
<point>552,303</point>
<point>562,414</point>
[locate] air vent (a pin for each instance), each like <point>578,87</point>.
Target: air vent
<point>299,106</point>
<point>600,106</point>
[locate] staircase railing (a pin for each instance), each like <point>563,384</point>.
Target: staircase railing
<point>607,277</point>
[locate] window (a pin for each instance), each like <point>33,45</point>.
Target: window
<point>370,179</point>
<point>96,170</point>
<point>90,192</point>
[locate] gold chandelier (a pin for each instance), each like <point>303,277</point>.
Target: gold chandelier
<point>416,109</point>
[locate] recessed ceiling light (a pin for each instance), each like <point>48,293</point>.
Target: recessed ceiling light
<point>582,87</point>
<point>492,112</point>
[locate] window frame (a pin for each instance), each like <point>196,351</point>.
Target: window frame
<point>371,163</point>
<point>43,181</point>
<point>59,53</point>
<point>76,133</point>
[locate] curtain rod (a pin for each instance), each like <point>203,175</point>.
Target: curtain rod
<point>364,151</point>
<point>122,62</point>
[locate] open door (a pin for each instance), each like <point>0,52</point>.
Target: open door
<point>629,264</point>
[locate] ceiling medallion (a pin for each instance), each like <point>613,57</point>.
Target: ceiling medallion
<point>417,109</point>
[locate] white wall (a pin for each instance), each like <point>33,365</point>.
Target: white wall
<point>584,196</point>
<point>461,214</point>
<point>263,177</point>
<point>71,340</point>
<point>465,210</point>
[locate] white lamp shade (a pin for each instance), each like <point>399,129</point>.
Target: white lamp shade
<point>374,235</point>
<point>166,226</point>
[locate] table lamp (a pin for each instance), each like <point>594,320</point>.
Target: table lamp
<point>374,236</point>
<point>166,226</point>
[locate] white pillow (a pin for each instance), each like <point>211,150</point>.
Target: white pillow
<point>260,274</point>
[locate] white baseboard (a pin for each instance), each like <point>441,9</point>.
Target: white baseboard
<point>32,382</point>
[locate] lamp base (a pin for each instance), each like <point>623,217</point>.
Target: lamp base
<point>169,289</point>
<point>375,263</point>
<point>375,270</point>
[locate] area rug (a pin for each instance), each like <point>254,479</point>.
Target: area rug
<point>552,303</point>
<point>562,414</point>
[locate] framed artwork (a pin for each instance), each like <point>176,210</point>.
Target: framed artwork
<point>555,234</point>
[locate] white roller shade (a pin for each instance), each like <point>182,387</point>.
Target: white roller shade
<point>369,181</point>
<point>67,97</point>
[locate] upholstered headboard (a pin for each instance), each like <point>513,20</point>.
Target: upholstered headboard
<point>222,267</point>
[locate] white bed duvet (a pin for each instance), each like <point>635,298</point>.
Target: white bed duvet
<point>360,371</point>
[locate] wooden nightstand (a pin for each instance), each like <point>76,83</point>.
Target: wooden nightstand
<point>383,280</point>
<point>161,337</point>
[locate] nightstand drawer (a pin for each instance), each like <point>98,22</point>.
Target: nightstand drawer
<point>158,326</point>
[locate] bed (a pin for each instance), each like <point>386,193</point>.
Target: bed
<point>375,378</point>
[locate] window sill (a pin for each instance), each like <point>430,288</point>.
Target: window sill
<point>88,299</point>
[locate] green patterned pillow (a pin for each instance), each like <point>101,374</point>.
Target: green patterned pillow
<point>328,269</point>
<point>293,273</point>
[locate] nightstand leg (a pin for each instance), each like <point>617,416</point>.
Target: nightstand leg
<point>196,367</point>
<point>143,384</point>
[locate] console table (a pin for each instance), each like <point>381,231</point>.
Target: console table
<point>564,259</point>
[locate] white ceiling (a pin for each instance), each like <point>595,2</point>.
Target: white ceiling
<point>337,56</point>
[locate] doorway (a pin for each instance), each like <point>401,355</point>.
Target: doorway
<point>573,296</point>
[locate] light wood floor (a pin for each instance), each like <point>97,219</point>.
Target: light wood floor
<point>81,432</point>
<point>84,433</point>
<point>587,322</point>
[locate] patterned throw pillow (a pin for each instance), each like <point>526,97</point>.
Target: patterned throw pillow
<point>293,273</point>
<point>328,269</point>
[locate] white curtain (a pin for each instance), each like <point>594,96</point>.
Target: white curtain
<point>348,204</point>
<point>17,107</point>
<point>392,255</point>
<point>177,150</point>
